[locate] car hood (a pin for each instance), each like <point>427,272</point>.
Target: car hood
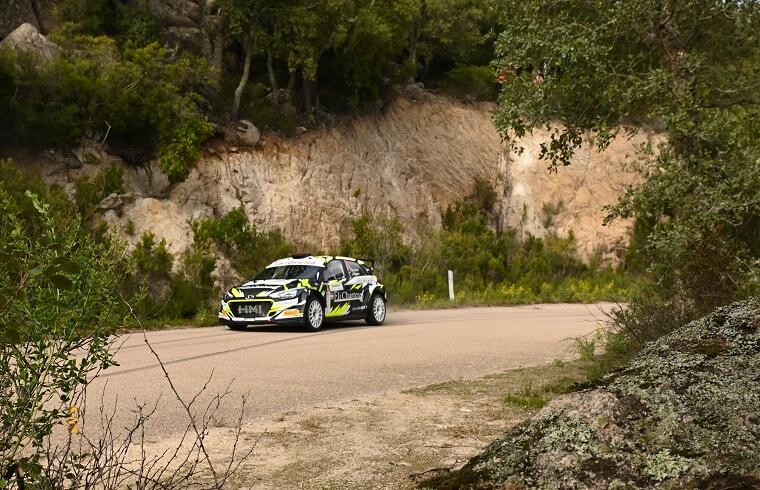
<point>263,288</point>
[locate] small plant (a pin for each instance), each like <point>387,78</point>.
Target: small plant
<point>586,349</point>
<point>549,213</point>
<point>526,398</point>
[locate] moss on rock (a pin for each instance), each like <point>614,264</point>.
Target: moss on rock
<point>685,413</point>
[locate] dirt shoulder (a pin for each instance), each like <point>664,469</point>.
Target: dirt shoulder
<point>392,440</point>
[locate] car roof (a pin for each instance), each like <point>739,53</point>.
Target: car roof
<point>313,260</point>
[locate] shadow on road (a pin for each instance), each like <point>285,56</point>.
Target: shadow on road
<point>348,325</point>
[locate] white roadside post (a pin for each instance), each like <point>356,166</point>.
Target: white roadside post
<point>451,286</point>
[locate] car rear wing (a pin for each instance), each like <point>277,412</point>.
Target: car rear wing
<point>368,262</point>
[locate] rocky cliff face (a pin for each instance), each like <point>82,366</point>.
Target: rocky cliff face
<point>411,161</point>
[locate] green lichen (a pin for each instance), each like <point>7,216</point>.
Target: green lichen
<point>684,413</point>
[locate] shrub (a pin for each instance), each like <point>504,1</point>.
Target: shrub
<point>59,301</point>
<point>146,98</point>
<point>379,238</point>
<point>489,267</point>
<point>88,193</point>
<point>476,82</point>
<point>248,249</point>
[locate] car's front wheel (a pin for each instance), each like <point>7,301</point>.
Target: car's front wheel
<point>314,314</point>
<point>376,312</point>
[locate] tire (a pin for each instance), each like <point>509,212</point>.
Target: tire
<point>313,314</point>
<point>376,311</point>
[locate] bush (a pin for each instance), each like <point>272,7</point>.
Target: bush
<point>489,267</point>
<point>59,302</point>
<point>171,294</point>
<point>145,98</point>
<point>132,24</point>
<point>248,249</point>
<point>473,82</point>
<point>89,193</point>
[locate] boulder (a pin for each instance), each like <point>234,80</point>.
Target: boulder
<point>248,133</point>
<point>27,39</point>
<point>684,413</point>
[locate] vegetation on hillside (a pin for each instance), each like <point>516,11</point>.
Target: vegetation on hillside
<point>116,81</point>
<point>489,267</point>
<point>688,69</point>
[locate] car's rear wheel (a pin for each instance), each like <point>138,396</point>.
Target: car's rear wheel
<point>376,312</point>
<point>314,314</point>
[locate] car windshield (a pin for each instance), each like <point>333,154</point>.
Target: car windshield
<point>289,272</point>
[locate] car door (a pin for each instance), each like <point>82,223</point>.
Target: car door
<point>358,285</point>
<point>336,299</point>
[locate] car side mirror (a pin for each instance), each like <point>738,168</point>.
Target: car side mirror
<point>337,277</point>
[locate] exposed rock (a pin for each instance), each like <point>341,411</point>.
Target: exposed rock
<point>248,133</point>
<point>15,13</point>
<point>115,202</point>
<point>685,413</point>
<point>189,37</point>
<point>412,160</point>
<point>112,202</point>
<point>26,39</point>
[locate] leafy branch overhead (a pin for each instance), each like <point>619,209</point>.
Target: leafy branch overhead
<point>686,69</point>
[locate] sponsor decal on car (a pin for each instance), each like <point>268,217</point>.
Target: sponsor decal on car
<point>248,310</point>
<point>345,296</point>
<point>300,261</point>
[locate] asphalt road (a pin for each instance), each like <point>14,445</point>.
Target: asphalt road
<point>283,368</point>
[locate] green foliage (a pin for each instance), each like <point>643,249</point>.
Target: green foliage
<point>379,238</point>
<point>146,99</point>
<point>152,261</point>
<point>347,53</point>
<point>489,267</point>
<point>192,289</point>
<point>172,294</point>
<point>59,302</point>
<point>687,70</point>
<point>248,249</point>
<point>179,151</point>
<point>256,106</point>
<point>88,193</point>
<point>470,82</point>
<point>527,398</point>
<point>131,24</point>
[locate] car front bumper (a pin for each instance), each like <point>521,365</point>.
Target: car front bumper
<point>238,311</point>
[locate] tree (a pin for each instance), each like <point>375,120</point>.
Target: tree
<point>687,69</point>
<point>250,22</point>
<point>451,29</point>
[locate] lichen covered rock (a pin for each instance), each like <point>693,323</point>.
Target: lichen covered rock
<point>685,413</point>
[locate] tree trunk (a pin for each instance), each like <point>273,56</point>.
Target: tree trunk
<point>248,47</point>
<point>273,80</point>
<point>414,39</point>
<point>38,17</point>
<point>307,95</point>
<point>292,84</point>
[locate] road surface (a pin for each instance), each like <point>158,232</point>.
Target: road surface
<point>283,368</point>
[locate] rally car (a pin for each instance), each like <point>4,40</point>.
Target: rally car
<point>307,290</point>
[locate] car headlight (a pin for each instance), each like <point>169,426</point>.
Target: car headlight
<point>287,294</point>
